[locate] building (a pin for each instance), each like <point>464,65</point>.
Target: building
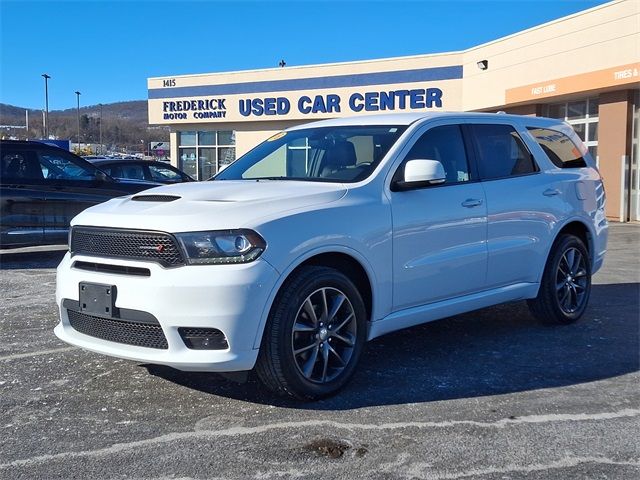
<point>583,68</point>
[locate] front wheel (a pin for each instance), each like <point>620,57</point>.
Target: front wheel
<point>314,336</point>
<point>566,283</point>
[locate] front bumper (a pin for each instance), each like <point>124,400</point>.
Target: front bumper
<point>231,298</point>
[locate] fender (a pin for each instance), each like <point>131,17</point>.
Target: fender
<point>556,232</point>
<point>306,256</point>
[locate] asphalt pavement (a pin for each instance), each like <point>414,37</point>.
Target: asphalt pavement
<point>490,395</point>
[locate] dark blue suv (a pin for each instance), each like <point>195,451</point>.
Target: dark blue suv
<point>43,187</point>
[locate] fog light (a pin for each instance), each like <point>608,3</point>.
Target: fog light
<point>203,338</point>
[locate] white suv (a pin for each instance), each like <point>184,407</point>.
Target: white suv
<point>331,234</point>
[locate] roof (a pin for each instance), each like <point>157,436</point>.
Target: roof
<point>27,143</point>
<point>409,118</point>
<point>102,161</point>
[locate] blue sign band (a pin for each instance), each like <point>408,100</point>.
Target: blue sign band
<point>337,81</point>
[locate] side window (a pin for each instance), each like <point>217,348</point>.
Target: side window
<point>20,165</point>
<point>132,171</point>
<point>558,147</point>
<point>164,174</point>
<point>107,170</point>
<point>444,144</point>
<point>501,152</point>
<point>60,165</point>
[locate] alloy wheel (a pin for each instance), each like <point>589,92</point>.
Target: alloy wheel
<point>571,280</point>
<point>324,335</point>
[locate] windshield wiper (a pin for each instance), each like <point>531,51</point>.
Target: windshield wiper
<point>273,178</point>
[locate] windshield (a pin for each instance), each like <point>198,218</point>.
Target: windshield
<point>330,154</point>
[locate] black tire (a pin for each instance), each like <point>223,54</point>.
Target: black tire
<point>564,292</point>
<point>282,371</point>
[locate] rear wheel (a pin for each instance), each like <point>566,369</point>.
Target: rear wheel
<point>314,336</point>
<point>566,283</point>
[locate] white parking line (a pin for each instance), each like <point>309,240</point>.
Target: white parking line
<point>34,354</point>
<point>335,426</point>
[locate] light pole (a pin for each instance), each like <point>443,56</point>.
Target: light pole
<point>46,104</point>
<point>101,129</point>
<point>78,110</point>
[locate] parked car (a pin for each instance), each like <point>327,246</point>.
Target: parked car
<point>43,187</point>
<point>160,172</point>
<point>290,263</point>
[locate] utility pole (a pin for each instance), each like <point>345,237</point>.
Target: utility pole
<point>101,149</point>
<point>78,110</point>
<point>46,105</point>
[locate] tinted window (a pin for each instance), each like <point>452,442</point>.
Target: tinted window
<point>132,171</point>
<point>20,165</point>
<point>445,145</point>
<point>558,147</point>
<point>501,152</point>
<point>61,165</point>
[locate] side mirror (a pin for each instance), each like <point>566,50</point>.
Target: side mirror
<point>420,173</point>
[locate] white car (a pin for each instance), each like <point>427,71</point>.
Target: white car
<point>334,233</point>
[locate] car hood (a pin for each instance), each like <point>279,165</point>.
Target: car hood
<point>214,205</point>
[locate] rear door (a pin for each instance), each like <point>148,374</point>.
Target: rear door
<point>439,231</point>
<point>21,197</point>
<point>523,204</point>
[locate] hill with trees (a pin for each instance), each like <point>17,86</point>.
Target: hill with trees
<point>125,125</point>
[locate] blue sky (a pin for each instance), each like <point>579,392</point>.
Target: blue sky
<point>107,50</point>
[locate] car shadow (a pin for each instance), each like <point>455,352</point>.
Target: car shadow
<point>492,351</point>
<point>32,259</point>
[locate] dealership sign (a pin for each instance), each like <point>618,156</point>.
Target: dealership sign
<point>213,108</point>
<point>246,97</point>
<point>419,99</point>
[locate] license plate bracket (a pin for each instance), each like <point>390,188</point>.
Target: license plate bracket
<point>98,299</point>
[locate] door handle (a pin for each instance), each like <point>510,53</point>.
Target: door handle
<point>551,192</point>
<point>472,202</point>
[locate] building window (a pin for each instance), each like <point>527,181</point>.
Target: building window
<point>582,115</point>
<point>203,154</point>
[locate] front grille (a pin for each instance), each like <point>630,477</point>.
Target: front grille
<point>140,334</point>
<point>131,244</point>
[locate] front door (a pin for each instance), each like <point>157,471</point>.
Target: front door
<point>69,188</point>
<point>439,232</point>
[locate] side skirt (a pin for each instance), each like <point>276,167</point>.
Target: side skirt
<point>409,317</point>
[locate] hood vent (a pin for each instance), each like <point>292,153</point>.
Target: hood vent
<point>154,198</point>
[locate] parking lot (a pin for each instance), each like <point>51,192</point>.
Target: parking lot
<point>490,394</point>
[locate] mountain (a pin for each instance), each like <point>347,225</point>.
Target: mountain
<point>125,125</point>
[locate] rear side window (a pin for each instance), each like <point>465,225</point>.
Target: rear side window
<point>562,152</point>
<point>501,152</point>
<point>20,166</point>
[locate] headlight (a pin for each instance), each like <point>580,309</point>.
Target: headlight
<point>221,246</point>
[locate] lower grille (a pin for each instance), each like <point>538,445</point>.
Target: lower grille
<point>139,334</point>
<point>203,338</point>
